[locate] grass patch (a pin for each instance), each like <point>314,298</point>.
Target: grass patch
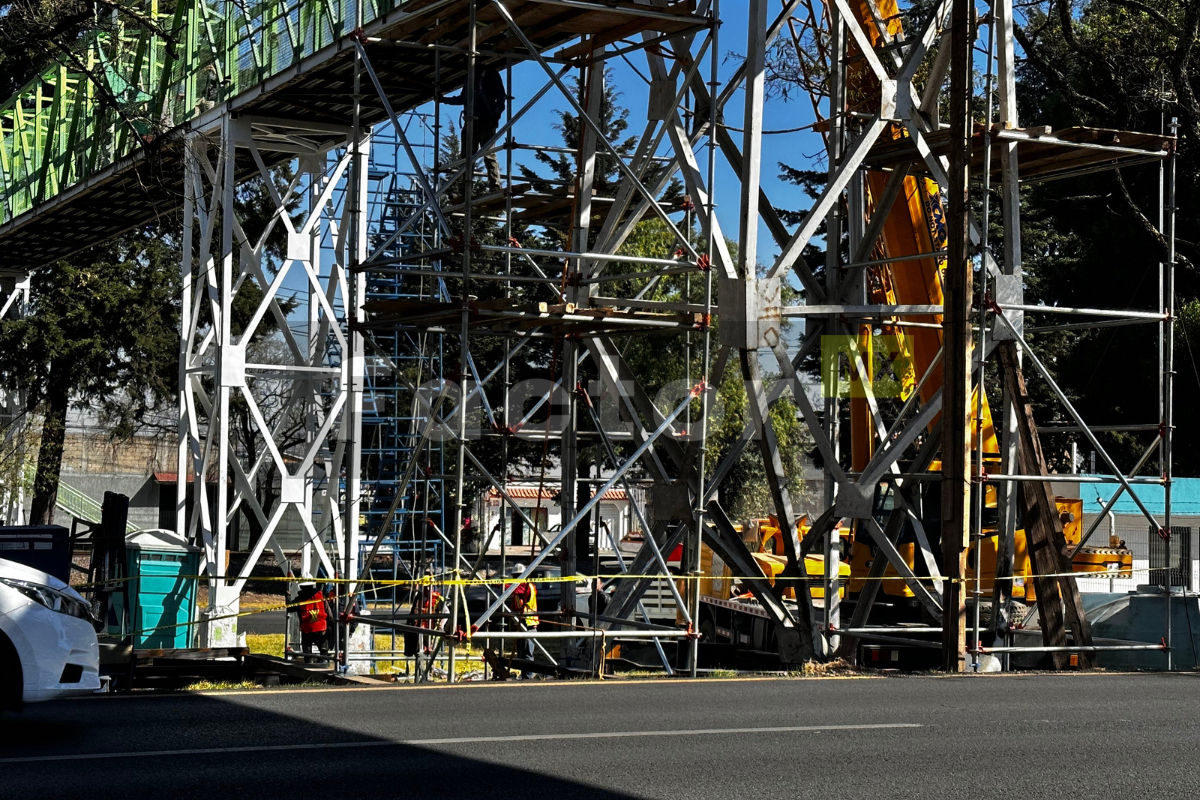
<point>211,686</point>
<point>249,601</point>
<point>720,673</point>
<point>253,601</point>
<point>383,641</point>
<point>401,667</point>
<point>658,673</point>
<point>271,644</point>
<point>819,669</point>
<point>268,644</point>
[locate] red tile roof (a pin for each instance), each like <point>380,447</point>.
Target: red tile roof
<point>548,493</point>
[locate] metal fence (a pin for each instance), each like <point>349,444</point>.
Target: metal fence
<point>1149,555</point>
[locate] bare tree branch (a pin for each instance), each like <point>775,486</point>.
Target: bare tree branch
<point>1154,13</point>
<point>1150,228</point>
<point>100,84</point>
<point>1093,54</point>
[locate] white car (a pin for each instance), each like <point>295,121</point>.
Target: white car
<point>48,643</point>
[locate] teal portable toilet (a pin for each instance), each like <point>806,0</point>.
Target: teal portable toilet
<point>162,589</point>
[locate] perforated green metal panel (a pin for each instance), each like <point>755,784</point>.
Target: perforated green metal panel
<point>131,81</point>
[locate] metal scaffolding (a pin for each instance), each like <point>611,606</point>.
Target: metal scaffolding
<point>447,279</point>
<point>886,148</point>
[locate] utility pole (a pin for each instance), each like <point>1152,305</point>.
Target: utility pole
<point>956,408</point>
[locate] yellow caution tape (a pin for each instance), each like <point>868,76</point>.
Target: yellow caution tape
<point>429,581</point>
<point>437,581</point>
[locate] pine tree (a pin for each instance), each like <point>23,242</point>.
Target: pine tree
<point>102,333</point>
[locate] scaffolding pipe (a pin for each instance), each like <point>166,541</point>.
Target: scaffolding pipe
<point>1168,430</point>
<point>468,146</point>
<point>580,634</point>
<point>583,512</point>
<point>1099,648</point>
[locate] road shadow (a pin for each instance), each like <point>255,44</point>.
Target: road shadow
<point>334,762</point>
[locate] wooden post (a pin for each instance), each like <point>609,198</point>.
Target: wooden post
<point>956,325</point>
<point>1043,527</point>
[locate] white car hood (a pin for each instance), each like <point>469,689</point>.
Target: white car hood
<point>20,572</point>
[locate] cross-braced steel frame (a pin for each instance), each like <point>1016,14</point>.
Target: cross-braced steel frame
<point>582,323</point>
<point>317,386</point>
<point>885,144</point>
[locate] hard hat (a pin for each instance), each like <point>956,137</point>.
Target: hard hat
<point>307,584</point>
<point>518,570</point>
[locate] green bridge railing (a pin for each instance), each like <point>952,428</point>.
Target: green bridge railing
<point>80,506</point>
<point>139,74</point>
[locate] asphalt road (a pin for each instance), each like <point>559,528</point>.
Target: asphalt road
<point>1092,736</point>
<point>273,621</point>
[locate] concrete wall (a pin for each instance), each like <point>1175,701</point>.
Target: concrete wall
<point>142,491</point>
<point>93,464</point>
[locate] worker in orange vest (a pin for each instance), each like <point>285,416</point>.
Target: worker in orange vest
<point>312,608</point>
<point>524,599</point>
<point>427,603</point>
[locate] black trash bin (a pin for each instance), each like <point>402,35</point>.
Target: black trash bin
<point>44,547</point>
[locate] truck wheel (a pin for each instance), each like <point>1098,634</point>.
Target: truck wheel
<point>11,677</point>
<point>708,630</point>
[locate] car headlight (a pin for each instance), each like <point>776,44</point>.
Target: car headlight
<point>51,598</point>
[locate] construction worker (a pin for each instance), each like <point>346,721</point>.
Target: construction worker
<point>598,599</point>
<point>524,600</point>
<point>490,102</point>
<point>312,608</point>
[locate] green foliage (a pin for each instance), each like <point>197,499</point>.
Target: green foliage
<point>1096,240</point>
<point>659,360</point>
<point>1187,346</point>
<point>104,324</point>
<point>564,168</point>
<point>614,121</point>
<point>745,493</point>
<point>102,332</point>
<point>31,32</point>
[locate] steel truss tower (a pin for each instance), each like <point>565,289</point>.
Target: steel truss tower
<point>216,359</point>
<point>890,158</point>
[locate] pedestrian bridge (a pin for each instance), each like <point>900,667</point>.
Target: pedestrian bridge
<point>92,147</point>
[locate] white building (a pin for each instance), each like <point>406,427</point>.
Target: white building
<point>540,504</point>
